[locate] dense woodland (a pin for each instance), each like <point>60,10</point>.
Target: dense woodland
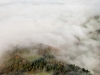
<point>46,64</point>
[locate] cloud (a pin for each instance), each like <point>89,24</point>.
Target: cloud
<point>69,26</point>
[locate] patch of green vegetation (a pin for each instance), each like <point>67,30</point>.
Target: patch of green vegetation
<point>32,57</point>
<point>41,73</point>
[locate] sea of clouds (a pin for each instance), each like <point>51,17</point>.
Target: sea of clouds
<point>72,26</point>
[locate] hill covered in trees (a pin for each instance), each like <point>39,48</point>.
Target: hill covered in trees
<point>41,62</point>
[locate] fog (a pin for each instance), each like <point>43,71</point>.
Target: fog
<point>71,26</point>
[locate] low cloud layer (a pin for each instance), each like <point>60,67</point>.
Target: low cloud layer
<point>73,27</point>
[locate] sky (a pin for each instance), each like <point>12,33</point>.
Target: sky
<point>68,25</point>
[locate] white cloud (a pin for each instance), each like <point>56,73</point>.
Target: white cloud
<point>56,23</point>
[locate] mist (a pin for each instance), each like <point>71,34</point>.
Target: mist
<point>71,26</point>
